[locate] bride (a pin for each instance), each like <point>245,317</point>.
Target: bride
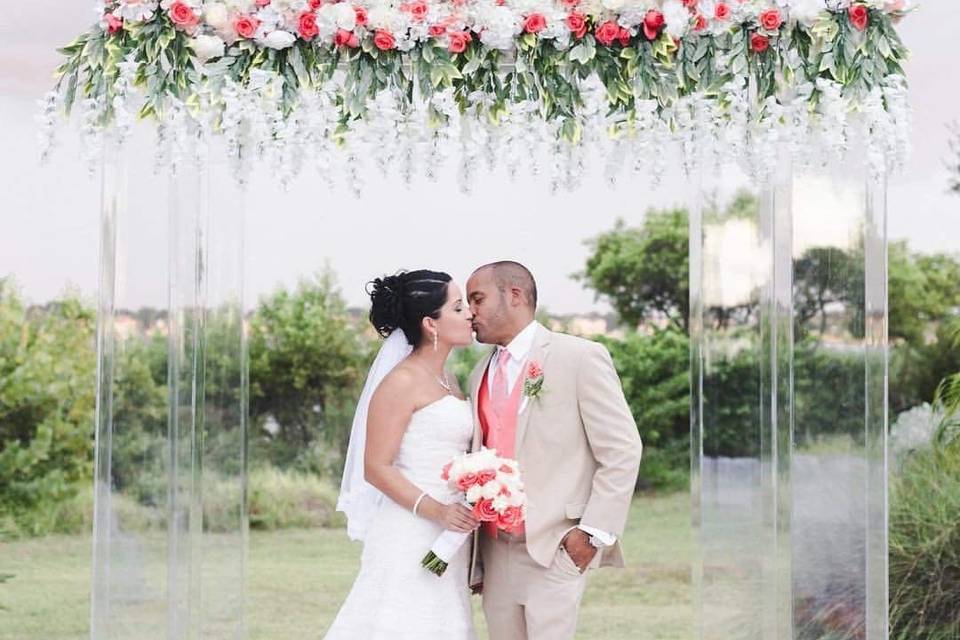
<point>411,420</point>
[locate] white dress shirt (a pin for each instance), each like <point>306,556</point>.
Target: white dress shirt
<point>518,351</point>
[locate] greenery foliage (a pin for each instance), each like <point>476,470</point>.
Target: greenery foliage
<point>925,546</point>
<point>47,367</point>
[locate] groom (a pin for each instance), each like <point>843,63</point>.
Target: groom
<point>554,403</point>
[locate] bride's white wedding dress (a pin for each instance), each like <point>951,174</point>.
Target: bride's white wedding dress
<point>393,597</point>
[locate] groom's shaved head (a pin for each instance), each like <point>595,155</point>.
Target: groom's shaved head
<point>508,274</point>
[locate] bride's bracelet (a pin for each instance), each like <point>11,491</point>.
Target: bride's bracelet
<point>416,505</point>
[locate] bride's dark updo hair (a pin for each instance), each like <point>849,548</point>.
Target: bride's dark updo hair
<point>403,300</point>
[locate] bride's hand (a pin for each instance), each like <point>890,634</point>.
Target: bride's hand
<point>457,517</point>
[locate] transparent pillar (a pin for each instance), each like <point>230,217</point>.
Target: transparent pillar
<point>170,521</point>
<point>789,371</point>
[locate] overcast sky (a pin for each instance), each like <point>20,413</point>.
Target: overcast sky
<point>49,231</point>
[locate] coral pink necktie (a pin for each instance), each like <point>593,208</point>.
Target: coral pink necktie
<point>500,394</point>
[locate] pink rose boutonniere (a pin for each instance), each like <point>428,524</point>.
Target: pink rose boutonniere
<point>533,384</point>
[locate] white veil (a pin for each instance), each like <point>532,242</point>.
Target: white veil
<point>358,499</point>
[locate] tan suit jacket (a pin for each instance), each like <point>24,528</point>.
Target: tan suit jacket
<point>577,445</point>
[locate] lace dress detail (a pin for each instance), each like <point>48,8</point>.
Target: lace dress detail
<point>393,597</point>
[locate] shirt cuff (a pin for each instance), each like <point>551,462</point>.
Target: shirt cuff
<point>606,539</point>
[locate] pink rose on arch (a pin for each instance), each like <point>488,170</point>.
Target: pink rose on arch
<point>437,30</point>
<point>344,38</point>
<point>262,3</point>
<point>721,11</point>
<point>577,24</point>
<point>418,10</point>
<point>771,20</point>
<point>458,41</point>
<point>307,25</point>
<point>700,23</point>
<point>535,23</point>
<point>384,40</point>
<point>653,23</point>
<point>246,26</point>
<point>759,43</point>
<point>859,16</point>
<point>182,15</point>
<point>112,23</point>
<point>361,16</point>
<point>607,32</point>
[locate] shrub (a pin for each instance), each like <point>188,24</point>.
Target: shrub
<point>925,546</point>
<point>285,499</point>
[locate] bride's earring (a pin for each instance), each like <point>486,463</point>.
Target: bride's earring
<point>436,334</point>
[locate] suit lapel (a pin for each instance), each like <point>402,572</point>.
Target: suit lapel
<point>475,380</point>
<point>538,353</point>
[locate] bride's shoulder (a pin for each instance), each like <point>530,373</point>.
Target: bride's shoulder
<point>397,386</point>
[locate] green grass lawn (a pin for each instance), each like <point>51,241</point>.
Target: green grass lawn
<point>296,580</point>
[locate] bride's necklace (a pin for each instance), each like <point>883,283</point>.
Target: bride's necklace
<point>441,381</point>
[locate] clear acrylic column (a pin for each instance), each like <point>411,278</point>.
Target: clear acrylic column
<point>170,521</point>
<point>789,380</point>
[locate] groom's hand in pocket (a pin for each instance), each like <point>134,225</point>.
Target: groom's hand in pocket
<point>577,544</point>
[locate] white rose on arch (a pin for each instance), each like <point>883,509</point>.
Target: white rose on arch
<point>206,47</point>
<point>278,39</point>
<point>216,15</point>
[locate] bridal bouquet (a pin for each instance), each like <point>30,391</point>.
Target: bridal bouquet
<point>492,488</point>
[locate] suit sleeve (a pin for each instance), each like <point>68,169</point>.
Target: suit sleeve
<point>613,438</point>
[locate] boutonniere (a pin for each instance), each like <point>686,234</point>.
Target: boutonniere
<point>533,384</point>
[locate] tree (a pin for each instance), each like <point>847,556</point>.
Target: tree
<point>47,366</point>
<point>654,373</point>
<point>643,271</point>
<point>306,363</point>
<point>823,276</point>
